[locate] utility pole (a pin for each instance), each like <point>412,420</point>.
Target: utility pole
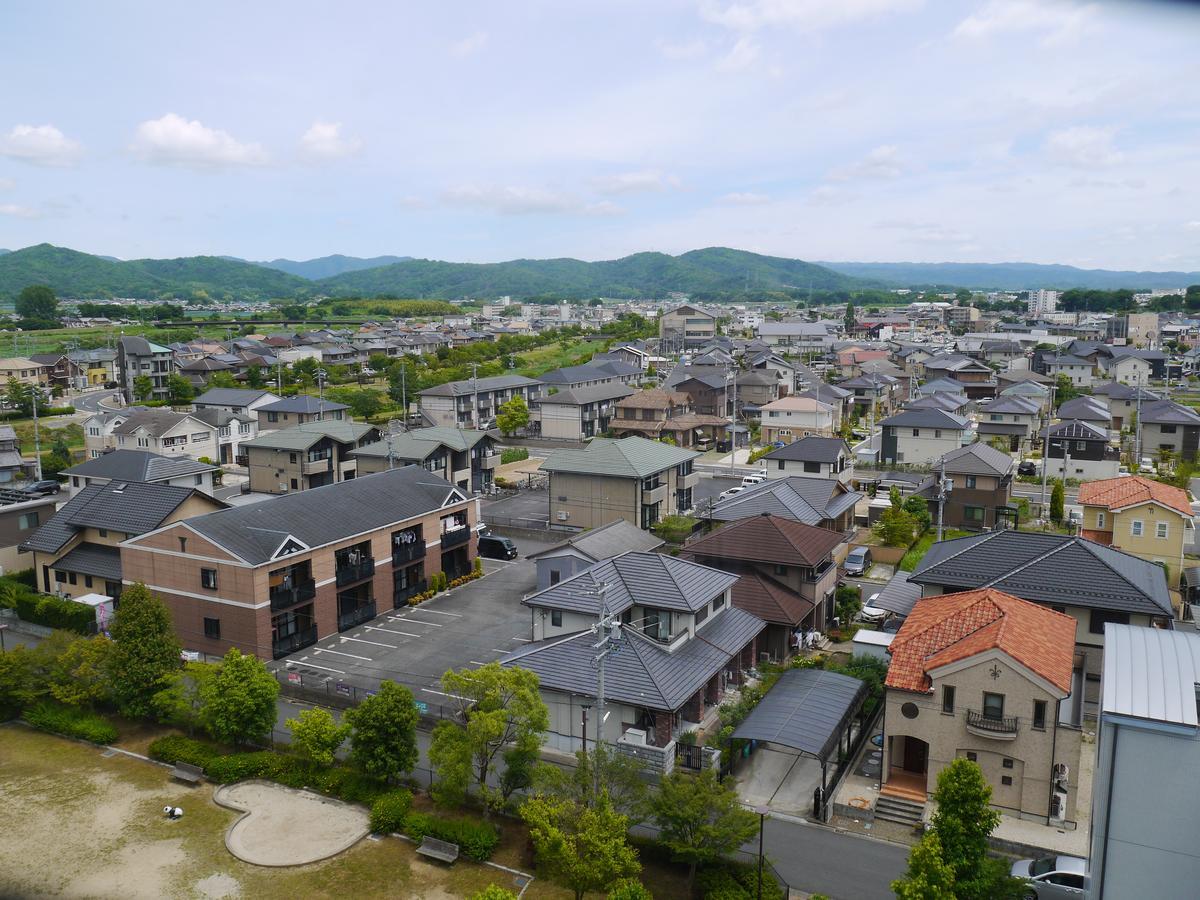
<point>475,396</point>
<point>321,376</point>
<point>608,632</point>
<point>1137,431</point>
<point>1046,436</point>
<point>404,391</point>
<point>733,423</point>
<point>37,440</point>
<point>944,488</point>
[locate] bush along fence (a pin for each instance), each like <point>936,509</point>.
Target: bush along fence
<point>71,722</point>
<point>45,609</point>
<point>439,583</point>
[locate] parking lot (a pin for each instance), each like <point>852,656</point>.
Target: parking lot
<point>468,626</point>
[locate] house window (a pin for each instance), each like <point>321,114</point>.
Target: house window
<point>718,602</point>
<point>198,480</point>
<point>993,705</point>
<point>780,570</point>
<point>970,482</point>
<point>971,755</point>
<point>1161,529</point>
<point>812,467</point>
<point>555,576</point>
<point>1101,617</point>
<point>937,432</point>
<point>1167,429</point>
<point>183,545</point>
<point>556,618</point>
<point>701,614</point>
<point>87,581</point>
<point>272,417</point>
<point>60,577</point>
<point>973,513</point>
<point>208,579</point>
<point>779,464</point>
<point>1080,446</point>
<point>1007,763</point>
<point>916,432</point>
<point>212,629</point>
<point>1100,520</point>
<point>27,520</point>
<point>1136,528</point>
<point>948,699</point>
<point>1039,714</point>
<point>1006,780</point>
<point>73,578</point>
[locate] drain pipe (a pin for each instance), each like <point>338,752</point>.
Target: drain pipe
<point>1053,756</point>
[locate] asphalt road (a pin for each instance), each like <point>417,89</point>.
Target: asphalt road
<point>90,402</point>
<point>819,860</point>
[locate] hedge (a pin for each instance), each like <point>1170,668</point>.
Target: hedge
<point>53,612</point>
<point>389,812</point>
<point>477,840</point>
<point>76,723</point>
<point>512,455</point>
<point>735,881</point>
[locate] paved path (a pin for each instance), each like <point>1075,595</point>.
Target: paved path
<point>90,402</point>
<point>819,860</point>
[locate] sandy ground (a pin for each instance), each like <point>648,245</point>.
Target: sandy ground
<point>286,827</point>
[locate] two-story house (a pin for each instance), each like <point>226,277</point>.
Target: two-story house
<point>273,577</point>
<point>990,677</point>
<point>299,410</point>
<point>1141,516</point>
<point>466,459</point>
<point>683,642</point>
<point>1080,451</point>
<point>687,325</point>
<point>919,436</point>
<point>138,357</point>
<point>810,499</point>
<point>977,380</point>
<point>1125,367</point>
<point>981,480</point>
<point>658,413</point>
<point>242,402</point>
<point>882,390</point>
<point>1092,410</point>
<point>168,433</point>
<point>790,418</point>
<point>709,387</point>
<point>1169,427</point>
<point>579,414</point>
<point>838,398</point>
<point>24,371</point>
<point>597,372</point>
<point>1123,401</point>
<point>786,571</point>
<point>1012,421</point>
<point>305,456</point>
<point>140,466</point>
<point>823,457</point>
<point>582,551</point>
<point>61,370</point>
<point>99,366</point>
<point>1077,370</point>
<point>12,464</point>
<point>473,403</point>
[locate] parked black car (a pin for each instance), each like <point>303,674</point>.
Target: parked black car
<point>494,547</point>
<point>42,488</point>
<point>1027,467</point>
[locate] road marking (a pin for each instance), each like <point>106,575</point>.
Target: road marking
<point>391,630</point>
<point>323,668</point>
<point>498,650</point>
<point>444,694</point>
<point>376,643</point>
<point>524,640</point>
<point>340,653</point>
<point>440,613</point>
<point>420,622</point>
<point>476,662</point>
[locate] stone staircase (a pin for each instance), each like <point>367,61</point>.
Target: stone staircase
<point>902,812</point>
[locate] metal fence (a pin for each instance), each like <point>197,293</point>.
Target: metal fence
<point>340,694</point>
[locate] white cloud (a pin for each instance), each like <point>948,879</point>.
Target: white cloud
<point>512,200</point>
<point>40,145</point>
<point>682,49</point>
<point>927,232</point>
<point>21,212</point>
<point>1059,21</point>
<point>882,162</point>
<point>469,45</point>
<point>745,198</point>
<point>802,15</point>
<point>176,141</point>
<point>1083,146</point>
<point>647,181</point>
<point>324,141</point>
<point>603,208</point>
<point>743,55</point>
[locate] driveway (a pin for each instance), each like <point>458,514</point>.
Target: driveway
<point>526,509</point>
<point>780,779</point>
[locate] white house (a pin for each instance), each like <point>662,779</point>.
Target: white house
<point>789,418</point>
<point>826,457</point>
<point>920,436</point>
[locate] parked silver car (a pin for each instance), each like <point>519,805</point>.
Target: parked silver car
<point>1052,877</point>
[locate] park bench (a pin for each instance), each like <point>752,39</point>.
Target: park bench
<point>435,849</point>
<point>187,772</point>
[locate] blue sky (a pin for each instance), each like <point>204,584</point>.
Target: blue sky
<point>850,130</point>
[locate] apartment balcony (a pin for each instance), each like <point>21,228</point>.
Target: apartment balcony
<point>364,613</point>
<point>1001,728</point>
<point>352,572</point>
<point>400,596</point>
<point>287,597</point>
<point>489,461</point>
<point>282,646</point>
<point>683,482</point>
<point>654,495</point>
<point>456,537</point>
<point>406,553</point>
<point>317,466</point>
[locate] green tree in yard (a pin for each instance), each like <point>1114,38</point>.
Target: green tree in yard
<point>848,318</point>
<point>629,889</point>
<point>584,848</point>
<point>383,735</point>
<point>254,377</point>
<point>513,416</point>
<point>848,603</point>
<point>180,391</point>
<point>494,892</point>
<point>239,701</point>
<point>316,736</point>
<point>619,776</point>
<point>19,397</point>
<point>181,702</point>
<point>363,402</point>
<point>145,650</point>
<point>38,303</point>
<point>929,877</point>
<point>1064,389</point>
<point>18,686</point>
<point>918,509</point>
<point>894,527</point>
<point>79,677</point>
<point>1058,496</point>
<point>499,710</point>
<point>221,380</point>
<point>143,387</point>
<point>700,819</point>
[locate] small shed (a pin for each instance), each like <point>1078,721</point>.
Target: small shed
<point>102,605</point>
<point>872,643</point>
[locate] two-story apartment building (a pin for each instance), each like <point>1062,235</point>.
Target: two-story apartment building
<point>990,677</point>
<point>823,457</point>
<point>137,357</point>
<point>920,436</point>
<point>596,372</point>
<point>1141,516</point>
<point>658,413</point>
<point>466,459</point>
<point>1012,421</point>
<point>306,456</point>
<point>687,325</point>
<point>682,644</point>
<point>299,410</point>
<point>473,403</point>
<point>579,414</point>
<point>273,577</point>
<point>635,479</point>
<point>790,418</point>
<point>795,336</point>
<point>1170,427</point>
<point>981,492</point>
<point>140,466</point>
<point>786,571</point>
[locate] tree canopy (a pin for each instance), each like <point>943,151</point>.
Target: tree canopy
<point>145,651</point>
<point>383,737</point>
<point>700,818</point>
<point>239,700</point>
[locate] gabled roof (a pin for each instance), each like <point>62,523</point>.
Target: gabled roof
<point>1116,390</point>
<point>953,627</point>
<point>1020,376</point>
<point>1076,431</point>
<point>138,346</point>
<point>942,386</point>
<point>608,540</point>
<point>304,435</point>
<point>1087,409</point>
<point>1047,568</point>
<point>769,539</point>
<point>1168,412</point>
<point>631,457</point>
<point>466,386</point>
<point>655,398</point>
<point>927,418</point>
<point>420,442</point>
<point>593,371</point>
<point>811,448</point>
<point>1133,490</point>
<point>940,400</point>
<point>1026,389</point>
<point>766,598</point>
<point>592,393</point>
<point>1066,359</point>
<point>877,381</point>
<point>955,363</point>
<point>156,422</point>
<point>826,393</point>
<point>302,403</point>
<point>1020,406</point>
<point>231,396</point>
<point>796,403</point>
<point>138,465</point>
<point>808,500</point>
<point>978,459</point>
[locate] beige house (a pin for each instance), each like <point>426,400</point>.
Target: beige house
<point>1147,518</point>
<point>990,677</point>
<point>23,370</point>
<point>687,326</point>
<point>635,479</point>
<point>789,418</point>
<point>168,433</point>
<point>306,456</point>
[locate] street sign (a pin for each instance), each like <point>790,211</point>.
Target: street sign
<point>343,688</point>
<point>295,678</point>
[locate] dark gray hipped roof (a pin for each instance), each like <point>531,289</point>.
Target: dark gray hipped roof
<point>1168,412</point>
<point>927,418</point>
<point>495,383</point>
<point>325,514</point>
<point>302,403</point>
<point>898,596</point>
<point>806,710</point>
<point>811,448</point>
<point>593,371</point>
<point>978,459</point>
<point>93,559</point>
<point>1087,409</point>
<point>601,543</point>
<point>138,465</point>
<point>807,500</point>
<point>231,396</point>
<point>1048,568</point>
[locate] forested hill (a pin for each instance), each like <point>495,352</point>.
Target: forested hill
<point>1011,276</point>
<point>328,266</point>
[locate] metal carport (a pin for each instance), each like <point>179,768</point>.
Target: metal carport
<point>808,710</point>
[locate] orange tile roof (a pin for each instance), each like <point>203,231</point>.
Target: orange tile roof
<point>1130,490</point>
<point>952,627</point>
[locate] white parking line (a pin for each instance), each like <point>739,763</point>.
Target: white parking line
<point>322,668</point>
<point>498,650</point>
<point>391,630</point>
<point>340,653</point>
<point>376,643</point>
<point>440,613</point>
<point>443,694</point>
<point>476,662</point>
<point>524,640</point>
<point>422,622</point>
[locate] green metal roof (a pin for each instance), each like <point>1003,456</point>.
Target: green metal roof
<point>300,437</point>
<point>420,442</point>
<point>631,457</point>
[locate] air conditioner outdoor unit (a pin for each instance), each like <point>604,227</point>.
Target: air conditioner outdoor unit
<point>1056,806</point>
<point>635,736</point>
<point>563,515</point>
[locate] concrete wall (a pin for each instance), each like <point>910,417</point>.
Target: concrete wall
<point>561,421</point>
<point>924,448</point>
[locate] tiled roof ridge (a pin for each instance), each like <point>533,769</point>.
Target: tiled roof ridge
<point>1025,565</point>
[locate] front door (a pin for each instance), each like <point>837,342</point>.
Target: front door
<point>916,754</point>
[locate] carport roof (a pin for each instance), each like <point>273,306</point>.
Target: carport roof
<point>899,596</point>
<point>806,710</point>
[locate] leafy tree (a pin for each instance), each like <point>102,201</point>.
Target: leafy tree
<point>239,700</point>
<point>1057,500</point>
<point>848,318</point>
<point>1064,390</point>
<point>895,527</point>
<point>316,736</point>
<point>79,677</point>
<point>363,403</point>
<point>700,819</point>
<point>513,416</point>
<point>583,848</point>
<point>494,892</point>
<point>848,602</point>
<point>499,709</point>
<point>181,702</point>
<point>18,686</point>
<point>221,380</point>
<point>145,650</point>
<point>918,509</point>
<point>620,779</point>
<point>383,736</point>
<point>629,889</point>
<point>962,824</point>
<point>38,303</point>
<point>20,397</point>
<point>254,377</point>
<point>928,876</point>
<point>180,391</point>
<point>143,387</point>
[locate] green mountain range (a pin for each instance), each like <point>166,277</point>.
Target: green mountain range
<point>1011,276</point>
<point>328,266</point>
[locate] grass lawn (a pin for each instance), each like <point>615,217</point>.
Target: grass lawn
<point>917,552</point>
<point>553,356</point>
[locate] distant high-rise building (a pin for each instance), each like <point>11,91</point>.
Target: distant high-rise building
<point>1041,302</point>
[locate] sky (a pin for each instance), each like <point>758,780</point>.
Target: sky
<point>867,130</point>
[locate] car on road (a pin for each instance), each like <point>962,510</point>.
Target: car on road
<point>858,561</point>
<point>495,547</point>
<point>42,488</point>
<point>872,613</point>
<point>1075,516</point>
<point>1027,467</point>
<point>752,480</point>
<point>1052,877</point>
<point>732,492</point>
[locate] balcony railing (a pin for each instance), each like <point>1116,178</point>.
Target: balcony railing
<point>317,466</point>
<point>401,595</point>
<point>282,646</point>
<point>489,461</point>
<point>287,597</point>
<point>351,572</point>
<point>356,617</point>
<point>455,537</point>
<point>1002,727</point>
<point>406,553</point>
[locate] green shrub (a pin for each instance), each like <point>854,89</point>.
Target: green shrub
<point>494,892</point>
<point>629,889</point>
<point>389,812</point>
<point>175,748</point>
<point>72,722</point>
<point>53,612</point>
<point>513,454</point>
<point>27,577</point>
<point>476,840</point>
<point>735,881</point>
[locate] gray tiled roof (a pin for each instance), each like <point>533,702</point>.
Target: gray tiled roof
<point>154,421</point>
<point>302,403</point>
<point>231,396</point>
<point>808,500</point>
<point>1087,409</point>
<point>812,448</point>
<point>495,383</point>
<point>978,459</point>
<point>1049,568</point>
<point>303,436</point>
<point>593,371</point>
<point>608,540</point>
<point>93,559</point>
<point>420,442</point>
<point>1116,390</point>
<point>138,465</point>
<point>631,457</point>
<point>591,393</point>
<point>942,385</point>
<point>1168,412</point>
<point>927,418</point>
<point>1076,431</point>
<point>1014,405</point>
<point>324,514</point>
